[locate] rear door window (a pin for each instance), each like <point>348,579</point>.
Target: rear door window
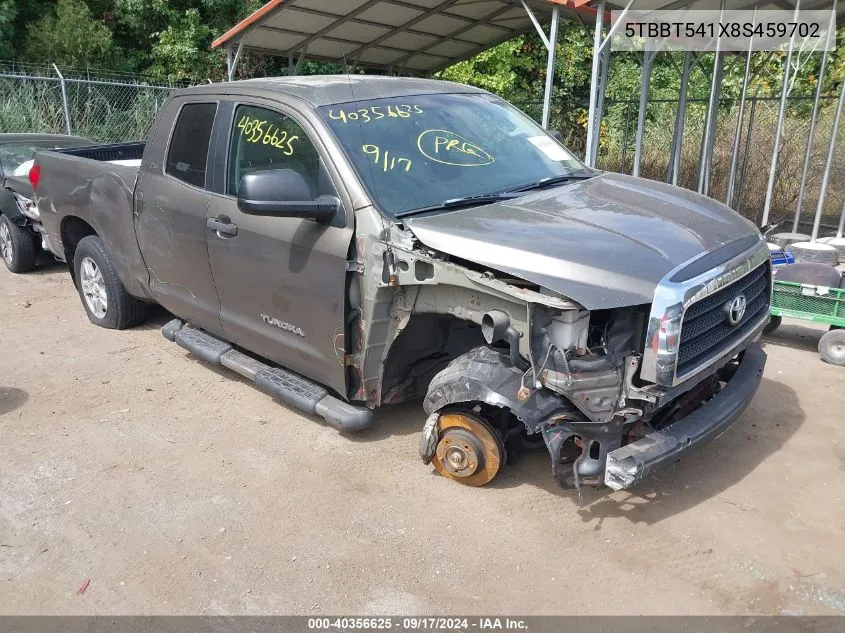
<point>188,152</point>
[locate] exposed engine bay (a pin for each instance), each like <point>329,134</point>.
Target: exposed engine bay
<point>547,372</point>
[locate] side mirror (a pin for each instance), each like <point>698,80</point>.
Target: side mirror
<point>556,135</point>
<point>283,193</point>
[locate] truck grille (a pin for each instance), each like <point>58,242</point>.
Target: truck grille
<point>705,330</point>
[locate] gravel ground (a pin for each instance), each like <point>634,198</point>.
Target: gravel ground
<point>135,479</point>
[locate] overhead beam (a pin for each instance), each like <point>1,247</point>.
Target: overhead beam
<point>459,31</point>
<point>438,8</point>
<point>339,40</point>
<point>332,26</point>
<point>362,22</point>
<point>415,7</point>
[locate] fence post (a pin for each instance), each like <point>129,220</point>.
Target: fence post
<point>64,99</point>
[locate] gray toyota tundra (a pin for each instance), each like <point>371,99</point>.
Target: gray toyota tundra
<point>351,242</point>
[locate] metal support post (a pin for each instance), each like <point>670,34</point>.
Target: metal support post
<point>738,133</point>
<point>708,142</point>
<point>605,66</point>
<point>712,107</point>
<point>64,99</point>
<point>746,152</point>
<point>773,167</point>
<point>550,68</point>
<point>233,61</point>
<point>645,83</point>
<point>830,152</point>
<point>680,119</point>
<point>592,133</point>
<point>819,84</point>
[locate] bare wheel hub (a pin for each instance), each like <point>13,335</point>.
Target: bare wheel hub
<point>469,450</point>
<point>460,452</point>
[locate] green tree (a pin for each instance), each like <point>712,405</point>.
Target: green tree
<point>8,13</point>
<point>71,36</point>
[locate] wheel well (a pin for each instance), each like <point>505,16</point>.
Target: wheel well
<point>73,229</point>
<point>424,347</point>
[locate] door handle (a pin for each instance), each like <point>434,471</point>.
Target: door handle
<point>226,228</point>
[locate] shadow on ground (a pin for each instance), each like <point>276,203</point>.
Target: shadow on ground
<point>768,423</point>
<point>796,336</point>
<point>11,398</point>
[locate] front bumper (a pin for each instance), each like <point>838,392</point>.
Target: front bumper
<point>629,464</point>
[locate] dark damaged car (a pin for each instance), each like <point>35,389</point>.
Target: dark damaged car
<point>21,238</point>
<point>351,242</point>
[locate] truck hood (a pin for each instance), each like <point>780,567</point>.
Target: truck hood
<point>604,242</point>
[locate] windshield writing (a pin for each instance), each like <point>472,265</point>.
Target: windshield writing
<point>418,152</point>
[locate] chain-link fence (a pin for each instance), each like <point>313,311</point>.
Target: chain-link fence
<point>106,107</point>
<point>751,170</point>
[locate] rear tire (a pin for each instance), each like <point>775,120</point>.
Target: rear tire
<point>832,347</point>
<point>773,324</point>
<point>104,298</point>
<point>18,246</point>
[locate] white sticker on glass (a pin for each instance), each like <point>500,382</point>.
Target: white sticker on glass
<point>550,148</point>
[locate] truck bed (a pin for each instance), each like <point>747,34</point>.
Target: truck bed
<point>121,153</point>
<point>96,185</point>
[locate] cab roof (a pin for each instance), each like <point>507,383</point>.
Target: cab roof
<point>320,90</point>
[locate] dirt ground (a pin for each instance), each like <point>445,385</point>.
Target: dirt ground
<point>135,479</point>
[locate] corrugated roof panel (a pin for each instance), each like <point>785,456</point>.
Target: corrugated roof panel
<point>476,10</point>
<point>379,56</point>
<point>332,6</point>
<point>452,49</point>
<point>439,24</point>
<point>424,62</point>
<point>425,4</point>
<point>328,48</point>
<point>483,34</point>
<point>409,41</point>
<point>272,40</point>
<point>358,32</point>
<point>391,14</point>
<point>298,21</point>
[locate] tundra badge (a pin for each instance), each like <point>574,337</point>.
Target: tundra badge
<point>282,325</point>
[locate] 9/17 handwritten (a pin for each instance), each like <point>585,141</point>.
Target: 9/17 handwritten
<point>388,162</point>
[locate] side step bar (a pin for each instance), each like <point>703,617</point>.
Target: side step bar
<point>285,385</point>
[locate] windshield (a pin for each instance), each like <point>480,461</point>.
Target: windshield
<point>419,151</point>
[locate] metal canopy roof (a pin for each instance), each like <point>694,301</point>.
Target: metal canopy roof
<point>417,36</point>
<point>423,36</point>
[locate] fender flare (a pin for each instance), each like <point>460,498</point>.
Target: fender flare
<point>487,375</point>
<point>9,207</point>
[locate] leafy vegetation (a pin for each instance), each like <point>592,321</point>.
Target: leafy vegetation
<point>170,40</point>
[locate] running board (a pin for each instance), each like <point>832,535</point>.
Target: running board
<point>285,385</point>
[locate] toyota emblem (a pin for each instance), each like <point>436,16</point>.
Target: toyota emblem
<point>736,309</point>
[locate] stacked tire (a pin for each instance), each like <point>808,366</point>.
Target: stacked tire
<point>815,252</point>
<point>785,239</point>
<point>838,243</point>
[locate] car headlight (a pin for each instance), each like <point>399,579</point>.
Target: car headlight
<point>28,207</point>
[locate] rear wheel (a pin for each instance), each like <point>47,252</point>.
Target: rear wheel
<point>832,347</point>
<point>470,451</point>
<point>17,246</point>
<point>105,299</point>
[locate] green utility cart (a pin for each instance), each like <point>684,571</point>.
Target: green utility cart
<point>813,303</point>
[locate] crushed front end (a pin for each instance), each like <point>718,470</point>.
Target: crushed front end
<point>616,394</point>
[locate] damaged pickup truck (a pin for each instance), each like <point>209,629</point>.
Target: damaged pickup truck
<point>351,242</point>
